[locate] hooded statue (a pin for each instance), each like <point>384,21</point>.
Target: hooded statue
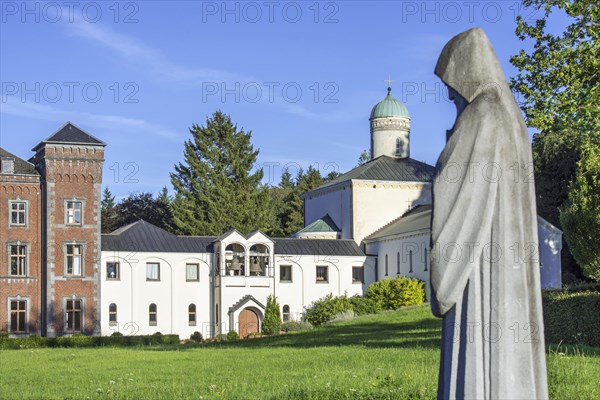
<point>484,269</point>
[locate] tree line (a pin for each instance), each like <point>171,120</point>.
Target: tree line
<point>217,188</point>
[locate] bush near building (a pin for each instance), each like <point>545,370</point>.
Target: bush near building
<point>393,293</point>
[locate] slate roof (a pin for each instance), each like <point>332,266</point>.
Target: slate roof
<point>71,134</point>
<point>414,220</point>
<point>22,167</point>
<point>386,168</point>
<point>324,224</point>
<point>319,247</point>
<point>142,236</point>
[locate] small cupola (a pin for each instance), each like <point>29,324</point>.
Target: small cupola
<point>390,128</point>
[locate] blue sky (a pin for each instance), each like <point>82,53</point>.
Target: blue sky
<point>302,76</point>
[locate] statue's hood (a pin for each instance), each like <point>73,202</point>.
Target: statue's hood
<point>469,65</point>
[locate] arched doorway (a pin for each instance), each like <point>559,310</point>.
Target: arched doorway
<point>247,322</point>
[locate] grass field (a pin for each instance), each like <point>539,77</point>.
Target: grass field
<point>393,355</point>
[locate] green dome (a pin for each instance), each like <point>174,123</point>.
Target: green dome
<point>389,107</point>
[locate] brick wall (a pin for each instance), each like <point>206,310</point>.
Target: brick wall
<point>26,188</point>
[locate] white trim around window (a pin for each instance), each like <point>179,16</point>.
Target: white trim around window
<point>18,258</point>
<point>74,211</point>
<point>18,213</point>
<point>18,314</point>
<point>74,256</point>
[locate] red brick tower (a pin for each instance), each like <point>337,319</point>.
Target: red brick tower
<point>70,163</point>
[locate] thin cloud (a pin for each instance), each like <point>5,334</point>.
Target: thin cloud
<point>143,55</point>
<point>108,122</point>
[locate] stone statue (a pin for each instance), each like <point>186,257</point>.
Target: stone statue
<point>484,269</point>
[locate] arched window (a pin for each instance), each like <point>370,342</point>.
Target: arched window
<point>112,314</point>
<point>259,260</point>
<point>152,314</point>
<point>286,313</point>
<point>192,315</point>
<point>235,259</point>
<point>386,265</point>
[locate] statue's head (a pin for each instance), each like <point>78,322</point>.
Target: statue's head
<point>469,67</point>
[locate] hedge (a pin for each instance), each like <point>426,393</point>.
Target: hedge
<point>87,341</point>
<point>572,317</point>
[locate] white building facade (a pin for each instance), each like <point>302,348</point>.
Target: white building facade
<point>369,224</point>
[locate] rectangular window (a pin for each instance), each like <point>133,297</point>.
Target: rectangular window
<point>425,258</point>
<point>18,260</point>
<point>322,273</point>
<point>113,271</point>
<point>18,213</point>
<point>358,275</point>
<point>410,263</point>
<point>152,271</point>
<point>18,316</point>
<point>73,213</point>
<point>74,259</point>
<point>191,272</point>
<point>285,273</point>
<point>73,316</point>
<point>7,166</point>
<point>398,263</point>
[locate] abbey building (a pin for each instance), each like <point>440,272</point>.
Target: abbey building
<point>59,275</point>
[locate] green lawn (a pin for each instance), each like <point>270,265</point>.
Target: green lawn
<point>392,355</point>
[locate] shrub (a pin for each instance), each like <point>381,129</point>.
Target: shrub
<point>363,305</point>
<point>393,293</point>
<point>325,309</point>
<point>272,321</point>
<point>572,317</point>
<point>232,335</point>
<point>196,337</point>
<point>221,337</point>
<point>295,326</point>
<point>343,316</point>
<point>117,333</point>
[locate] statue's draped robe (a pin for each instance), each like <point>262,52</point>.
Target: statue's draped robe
<point>485,272</point>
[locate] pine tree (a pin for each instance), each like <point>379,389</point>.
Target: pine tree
<point>215,187</point>
<point>272,321</point>
<point>108,213</point>
<point>280,195</point>
<point>305,182</point>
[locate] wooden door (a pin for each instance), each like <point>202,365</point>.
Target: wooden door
<point>247,322</point>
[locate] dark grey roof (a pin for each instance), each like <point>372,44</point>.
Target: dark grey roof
<point>70,133</point>
<point>145,237</point>
<point>414,220</point>
<point>142,236</point>
<point>22,167</point>
<point>318,247</point>
<point>385,168</point>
